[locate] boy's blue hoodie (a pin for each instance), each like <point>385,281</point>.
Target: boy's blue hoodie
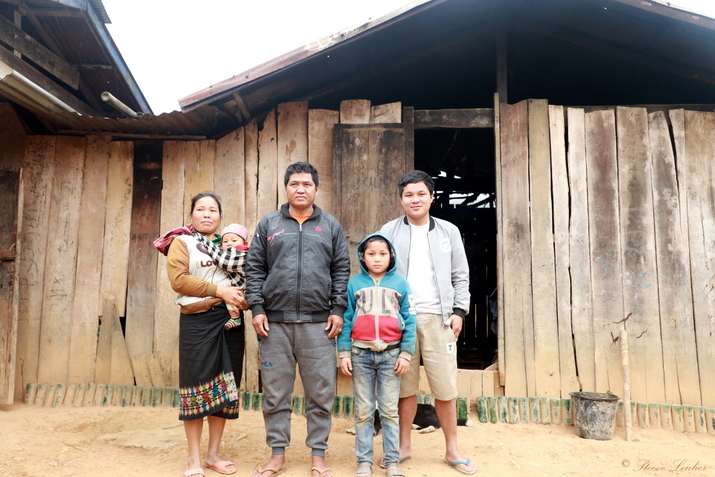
<point>379,313</point>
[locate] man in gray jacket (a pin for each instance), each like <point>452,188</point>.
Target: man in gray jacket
<point>430,253</point>
<point>297,271</point>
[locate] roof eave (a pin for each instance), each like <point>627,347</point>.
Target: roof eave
<point>227,87</point>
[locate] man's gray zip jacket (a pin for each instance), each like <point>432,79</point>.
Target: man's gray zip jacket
<point>297,273</point>
<point>448,258</point>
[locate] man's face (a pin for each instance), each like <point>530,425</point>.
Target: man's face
<point>301,190</point>
<point>416,201</point>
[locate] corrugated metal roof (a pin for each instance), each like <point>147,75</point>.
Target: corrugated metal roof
<point>630,35</point>
<point>100,10</point>
<point>442,54</point>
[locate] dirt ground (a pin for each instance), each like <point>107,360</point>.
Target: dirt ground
<point>149,442</point>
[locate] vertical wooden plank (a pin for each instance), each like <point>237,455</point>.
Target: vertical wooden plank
<point>560,191</point>
<point>11,193</point>
<point>198,169</point>
<point>141,277</point>
<point>699,138</point>
<point>386,113</point>
<point>292,137</point>
<point>268,175</point>
<point>251,154</point>
<point>640,285</point>
<point>579,252</point>
<point>166,312</point>
<point>355,111</point>
<point>680,363</point>
<point>38,168</point>
<point>230,179</point>
<point>543,273</point>
<point>117,224</point>
<point>63,228</point>
<point>500,241</point>
<point>605,247</point>
<point>251,358</point>
<point>85,318</point>
<point>517,296</point>
<point>321,123</point>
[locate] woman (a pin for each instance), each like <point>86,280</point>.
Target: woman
<point>208,384</point>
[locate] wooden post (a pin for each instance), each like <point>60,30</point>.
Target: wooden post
<point>626,384</point>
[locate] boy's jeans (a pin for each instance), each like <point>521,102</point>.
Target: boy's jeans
<point>375,371</point>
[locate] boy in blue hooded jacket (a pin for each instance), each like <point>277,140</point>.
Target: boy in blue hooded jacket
<point>375,348</point>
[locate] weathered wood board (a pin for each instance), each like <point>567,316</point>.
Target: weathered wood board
<point>386,113</point>
<point>601,163</point>
<point>355,111</point>
<point>11,195</point>
<point>117,223</point>
<point>85,303</point>
<point>560,191</point>
<point>543,272</point>
<point>361,153</point>
<point>699,138</point>
<point>292,138</point>
<point>230,180</point>
<point>680,362</point>
<point>143,257</point>
<point>268,175</point>
<point>321,123</point>
<point>60,263</point>
<point>39,168</point>
<point>640,281</point>
<point>579,252</point>
<point>166,311</point>
<point>251,166</point>
<point>517,306</point>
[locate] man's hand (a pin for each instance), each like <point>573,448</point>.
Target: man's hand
<point>334,326</point>
<point>346,366</point>
<point>402,366</point>
<point>456,323</point>
<point>260,324</point>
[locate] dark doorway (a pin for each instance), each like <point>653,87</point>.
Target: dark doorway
<point>461,162</point>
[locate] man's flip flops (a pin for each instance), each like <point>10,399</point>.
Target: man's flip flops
<point>464,463</point>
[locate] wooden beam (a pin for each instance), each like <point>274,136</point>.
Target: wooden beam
<point>45,83</point>
<point>53,12</point>
<point>242,110</point>
<point>129,135</point>
<point>454,118</point>
<point>32,49</point>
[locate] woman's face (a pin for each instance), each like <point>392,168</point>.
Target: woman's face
<point>206,216</point>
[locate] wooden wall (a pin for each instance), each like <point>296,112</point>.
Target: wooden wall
<point>601,212</point>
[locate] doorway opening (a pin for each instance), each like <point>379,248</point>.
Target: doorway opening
<point>461,162</point>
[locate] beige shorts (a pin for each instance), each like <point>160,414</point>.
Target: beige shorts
<point>437,346</point>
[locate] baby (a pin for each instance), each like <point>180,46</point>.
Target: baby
<point>236,236</point>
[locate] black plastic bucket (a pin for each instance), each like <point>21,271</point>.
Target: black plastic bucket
<point>594,414</point>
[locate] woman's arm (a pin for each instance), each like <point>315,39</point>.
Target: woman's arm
<point>231,260</point>
<point>177,268</point>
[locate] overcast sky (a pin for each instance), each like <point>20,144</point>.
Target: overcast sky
<point>177,47</point>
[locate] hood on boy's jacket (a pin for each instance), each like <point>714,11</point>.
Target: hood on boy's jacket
<point>361,248</point>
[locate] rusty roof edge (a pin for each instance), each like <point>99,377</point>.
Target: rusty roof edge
<point>227,86</point>
<point>670,10</point>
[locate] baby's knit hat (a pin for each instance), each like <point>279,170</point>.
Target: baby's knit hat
<point>237,229</point>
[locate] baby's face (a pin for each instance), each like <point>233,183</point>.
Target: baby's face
<point>231,240</point>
